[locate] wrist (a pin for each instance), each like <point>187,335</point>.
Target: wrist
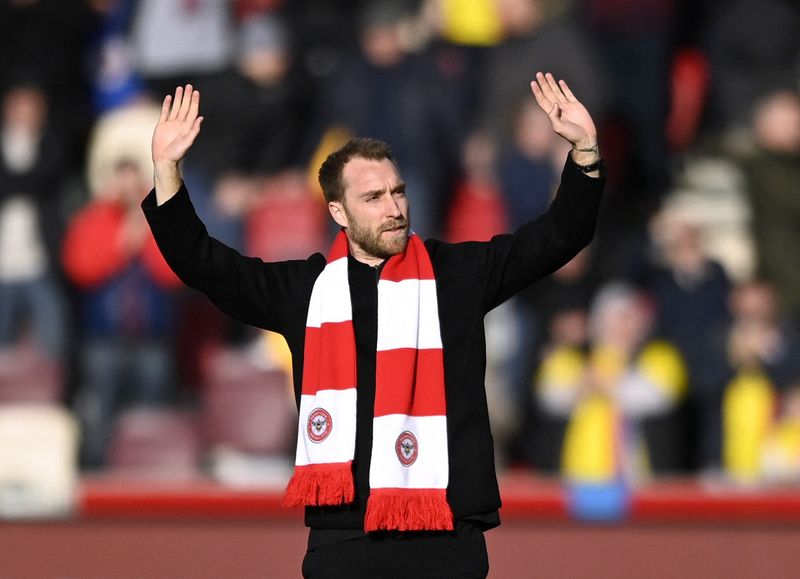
<point>587,142</point>
<point>585,153</point>
<point>165,166</point>
<point>167,179</point>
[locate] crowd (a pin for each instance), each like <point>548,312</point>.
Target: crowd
<point>670,345</point>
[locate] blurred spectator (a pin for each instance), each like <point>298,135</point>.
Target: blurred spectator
<point>49,39</point>
<point>175,41</point>
<point>764,355</point>
<point>477,211</point>
<point>123,133</point>
<point>772,171</point>
<point>31,174</point>
<point>616,394</point>
<point>537,41</point>
<point>753,48</point>
<point>464,32</point>
<point>466,22</point>
<point>529,167</point>
<point>634,41</point>
<point>126,307</point>
<point>710,192</point>
<point>781,453</point>
<point>389,93</point>
<point>254,127</point>
<point>324,30</point>
<point>255,112</point>
<point>286,220</point>
<point>689,81</point>
<point>691,293</point>
<point>555,313</point>
<point>114,80</point>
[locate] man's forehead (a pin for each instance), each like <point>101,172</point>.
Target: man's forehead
<point>361,175</point>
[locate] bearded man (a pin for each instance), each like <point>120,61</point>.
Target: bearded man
<point>394,459</point>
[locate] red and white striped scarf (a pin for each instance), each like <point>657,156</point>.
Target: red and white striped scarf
<point>409,463</point>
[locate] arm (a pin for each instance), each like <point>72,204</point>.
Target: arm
<point>540,247</point>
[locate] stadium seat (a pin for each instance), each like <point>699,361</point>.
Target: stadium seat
<point>246,404</point>
<point>38,460</point>
<point>27,375</point>
<point>155,442</point>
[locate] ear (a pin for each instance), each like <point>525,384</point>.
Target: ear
<point>337,212</point>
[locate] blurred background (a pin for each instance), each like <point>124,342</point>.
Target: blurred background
<point>666,351</point>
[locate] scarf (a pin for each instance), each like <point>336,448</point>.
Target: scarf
<point>409,462</point>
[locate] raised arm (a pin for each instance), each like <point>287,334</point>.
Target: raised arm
<point>569,119</point>
<point>261,294</point>
<point>174,134</point>
<point>511,262</point>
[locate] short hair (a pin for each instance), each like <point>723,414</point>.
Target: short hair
<point>330,173</point>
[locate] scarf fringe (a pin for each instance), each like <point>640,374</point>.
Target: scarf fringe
<point>320,484</point>
<point>408,510</point>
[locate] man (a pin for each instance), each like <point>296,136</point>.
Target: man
<point>394,459</point>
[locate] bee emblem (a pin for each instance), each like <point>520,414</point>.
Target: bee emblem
<point>407,448</point>
<point>319,425</point>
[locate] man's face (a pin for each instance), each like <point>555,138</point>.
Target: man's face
<point>374,210</point>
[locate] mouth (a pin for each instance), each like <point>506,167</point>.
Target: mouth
<point>401,227</point>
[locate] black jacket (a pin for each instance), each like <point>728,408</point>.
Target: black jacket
<point>471,279</point>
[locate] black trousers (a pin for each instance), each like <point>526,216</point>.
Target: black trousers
<point>460,554</point>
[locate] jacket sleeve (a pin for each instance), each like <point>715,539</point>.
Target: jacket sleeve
<point>510,262</point>
<point>543,245</point>
<point>245,288</point>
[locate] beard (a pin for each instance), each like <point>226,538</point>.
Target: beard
<point>374,242</point>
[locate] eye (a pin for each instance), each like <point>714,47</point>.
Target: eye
<point>399,192</point>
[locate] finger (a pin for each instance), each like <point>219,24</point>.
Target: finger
<point>567,93</point>
<point>547,90</point>
<point>194,107</point>
<point>551,82</point>
<point>541,100</point>
<point>196,127</point>
<point>176,103</point>
<point>165,107</point>
<point>186,103</point>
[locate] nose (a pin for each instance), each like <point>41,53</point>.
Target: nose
<point>393,207</point>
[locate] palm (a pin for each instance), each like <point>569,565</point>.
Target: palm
<point>568,117</point>
<point>178,126</point>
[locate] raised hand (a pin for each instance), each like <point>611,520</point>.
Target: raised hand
<point>175,132</point>
<point>568,117</point>
<point>178,126</point>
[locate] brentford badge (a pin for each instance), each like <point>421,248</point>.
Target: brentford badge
<point>319,425</point>
<point>406,448</point>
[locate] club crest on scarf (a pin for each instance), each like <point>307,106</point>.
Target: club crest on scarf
<point>319,425</point>
<point>407,448</point>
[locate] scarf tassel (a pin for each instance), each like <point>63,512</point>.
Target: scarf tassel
<point>408,510</point>
<point>320,484</point>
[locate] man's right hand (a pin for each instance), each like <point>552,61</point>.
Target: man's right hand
<point>174,134</point>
